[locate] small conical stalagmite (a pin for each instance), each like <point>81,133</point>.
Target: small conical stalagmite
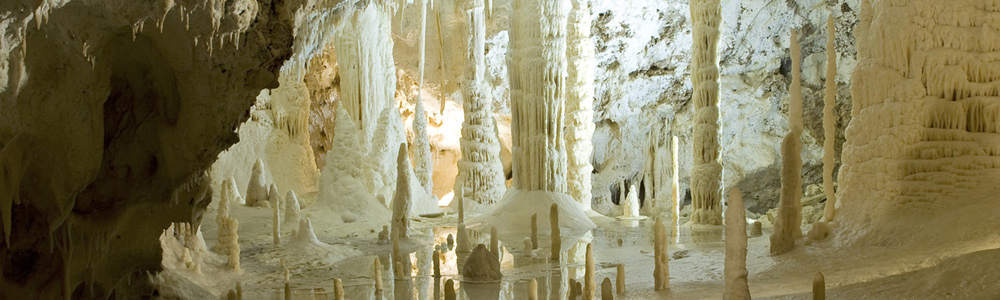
<point>620,279</point>
<point>630,207</point>
<point>292,208</point>
<point>606,292</point>
<point>402,200</point>
<point>589,282</point>
<point>819,287</point>
<point>556,238</point>
<point>257,192</point>
<point>338,289</point>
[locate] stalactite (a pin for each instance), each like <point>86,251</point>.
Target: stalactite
<point>788,226</point>
<point>829,122</point>
<point>443,72</point>
<point>579,102</point>
<point>480,172</point>
<point>706,171</point>
<point>367,72</point>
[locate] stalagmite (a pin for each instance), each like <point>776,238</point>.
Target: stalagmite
<point>288,287</point>
<point>534,231</point>
<point>675,193</point>
<point>787,226</point>
<point>380,176</point>
<point>556,238</point>
<point>436,256</point>
<point>383,236</point>
<point>736,249</point>
<point>579,102</point>
<point>661,260</point>
<point>756,229</point>
<point>589,282</point>
<point>402,200</point>
<point>451,241</point>
<point>819,287</point>
<point>276,224</point>
<point>630,207</point>
<point>829,122</point>
<point>528,250</point>
<point>706,171</point>
<point>230,193</point>
<point>620,279</point>
<point>305,235</point>
<point>422,157</point>
<point>533,289</point>
<point>482,265</point>
<point>257,193</point>
<point>222,241</point>
<point>363,45</point>
<point>292,208</point>
<point>338,289</point>
<point>233,249</point>
<point>606,290</point>
<point>463,240</point>
<point>480,171</point>
<point>239,290</point>
<point>449,290</point>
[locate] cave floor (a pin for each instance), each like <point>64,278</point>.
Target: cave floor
<point>953,271</point>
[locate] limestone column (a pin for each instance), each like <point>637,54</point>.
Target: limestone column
<point>706,171</point>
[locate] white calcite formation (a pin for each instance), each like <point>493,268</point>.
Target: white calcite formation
<point>922,142</point>
<point>305,236</point>
<point>829,122</point>
<point>480,172</point>
<point>706,171</point>
<point>292,208</point>
<point>787,226</point>
<point>735,272</point>
<point>630,206</point>
<point>402,201</point>
<point>363,44</point>
<point>257,192</point>
<point>380,176</point>
<point>422,156</point>
<point>342,186</point>
<point>230,193</point>
<point>579,120</point>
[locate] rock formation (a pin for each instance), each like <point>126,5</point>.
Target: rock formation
<point>630,207</point>
<point>736,249</point>
<point>480,172</point>
<point>829,123</point>
<point>589,282</point>
<point>422,156</point>
<point>787,227</point>
<point>706,171</point>
<point>292,208</point>
<point>482,265</point>
<point>402,201</point>
<point>363,44</point>
<point>579,102</point>
<point>257,193</point>
<point>661,260</point>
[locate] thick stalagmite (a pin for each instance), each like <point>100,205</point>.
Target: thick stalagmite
<point>579,103</point>
<point>380,176</point>
<point>736,249</point>
<point>367,71</point>
<point>706,171</point>
<point>630,206</point>
<point>661,260</point>
<point>341,185</point>
<point>257,193</point>
<point>480,183</point>
<point>402,201</point>
<point>829,122</point>
<point>788,223</point>
<point>424,161</point>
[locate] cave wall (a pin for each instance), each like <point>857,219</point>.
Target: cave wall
<point>115,110</point>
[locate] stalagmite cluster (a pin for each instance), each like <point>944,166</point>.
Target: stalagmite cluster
<point>829,122</point>
<point>736,249</point>
<point>579,102</point>
<point>342,186</point>
<point>661,260</point>
<point>367,69</point>
<point>480,172</point>
<point>706,171</point>
<point>787,226</point>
